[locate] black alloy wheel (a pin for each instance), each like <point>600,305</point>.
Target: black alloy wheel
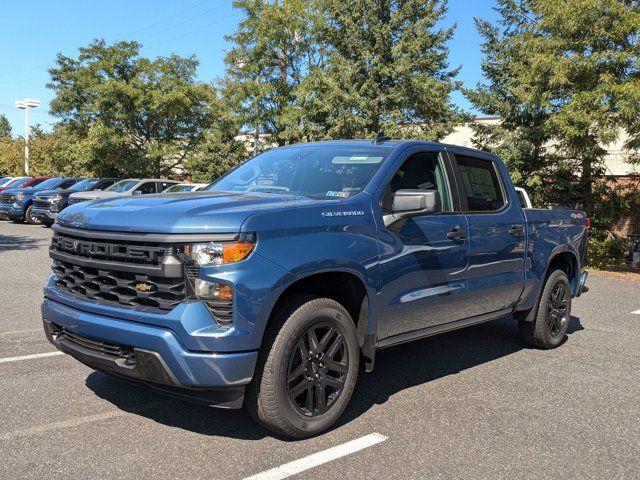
<point>318,367</point>
<point>549,326</point>
<point>557,316</point>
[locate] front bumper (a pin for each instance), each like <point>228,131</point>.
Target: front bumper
<point>9,212</point>
<point>149,354</point>
<point>44,215</point>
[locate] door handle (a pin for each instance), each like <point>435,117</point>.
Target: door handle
<point>456,234</point>
<point>516,230</point>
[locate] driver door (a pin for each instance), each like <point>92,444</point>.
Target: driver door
<point>423,258</point>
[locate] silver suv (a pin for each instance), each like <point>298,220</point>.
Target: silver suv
<point>130,186</point>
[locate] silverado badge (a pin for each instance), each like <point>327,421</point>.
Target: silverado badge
<point>143,287</point>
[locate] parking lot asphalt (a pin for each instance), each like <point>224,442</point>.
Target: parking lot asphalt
<point>474,403</point>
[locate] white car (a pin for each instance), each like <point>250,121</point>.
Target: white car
<point>124,188</point>
<point>185,187</point>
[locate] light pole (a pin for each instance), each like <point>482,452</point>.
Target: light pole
<point>25,105</point>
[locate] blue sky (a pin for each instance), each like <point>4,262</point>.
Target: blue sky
<point>31,37</point>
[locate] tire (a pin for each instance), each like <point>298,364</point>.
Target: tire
<point>29,217</point>
<point>303,380</point>
<point>549,327</point>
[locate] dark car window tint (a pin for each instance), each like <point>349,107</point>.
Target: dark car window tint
<point>68,183</point>
<point>423,171</point>
<point>481,184</point>
<point>147,188</point>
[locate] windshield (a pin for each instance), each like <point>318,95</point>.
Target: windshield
<point>84,185</point>
<point>17,183</point>
<point>48,184</point>
<point>320,171</point>
<point>178,188</point>
<point>122,186</point>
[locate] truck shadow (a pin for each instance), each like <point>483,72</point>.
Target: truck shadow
<point>18,242</point>
<point>396,369</point>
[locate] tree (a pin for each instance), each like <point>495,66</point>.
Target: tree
<point>11,156</point>
<point>140,116</point>
<point>221,150</point>
<point>564,77</point>
<point>274,49</point>
<point>386,69</point>
<point>5,126</point>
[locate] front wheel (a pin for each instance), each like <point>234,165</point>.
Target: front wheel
<point>307,369</point>
<point>29,217</point>
<point>551,322</point>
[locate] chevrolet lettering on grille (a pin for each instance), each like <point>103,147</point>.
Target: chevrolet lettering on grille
<point>89,248</point>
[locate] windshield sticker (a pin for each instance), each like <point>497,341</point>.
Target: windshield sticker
<point>347,213</point>
<point>332,193</point>
<point>355,159</point>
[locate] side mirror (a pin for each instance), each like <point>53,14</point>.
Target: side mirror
<point>137,192</point>
<point>411,203</point>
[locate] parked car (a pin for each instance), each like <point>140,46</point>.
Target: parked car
<point>125,188</point>
<point>185,187</point>
<point>47,204</point>
<point>23,182</point>
<point>268,288</point>
<point>17,203</point>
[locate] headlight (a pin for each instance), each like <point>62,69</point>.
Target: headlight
<point>18,197</point>
<point>56,199</point>
<point>218,253</point>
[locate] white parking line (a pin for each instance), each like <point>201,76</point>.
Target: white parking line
<point>637,312</point>
<point>30,357</point>
<point>333,453</point>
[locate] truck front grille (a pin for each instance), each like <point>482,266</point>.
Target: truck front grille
<point>121,288</point>
<point>42,203</point>
<point>6,199</point>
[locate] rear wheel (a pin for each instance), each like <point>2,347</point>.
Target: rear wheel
<point>551,322</point>
<point>29,217</point>
<point>307,369</point>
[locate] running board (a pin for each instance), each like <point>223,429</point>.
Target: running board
<point>445,327</point>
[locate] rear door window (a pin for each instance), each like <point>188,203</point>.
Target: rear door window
<point>482,188</point>
<point>147,188</point>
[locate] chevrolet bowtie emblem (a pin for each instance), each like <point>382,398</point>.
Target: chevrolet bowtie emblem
<point>143,287</point>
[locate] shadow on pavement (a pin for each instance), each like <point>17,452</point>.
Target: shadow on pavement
<point>396,369</point>
<point>18,242</point>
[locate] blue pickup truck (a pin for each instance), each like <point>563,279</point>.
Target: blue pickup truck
<point>17,203</point>
<point>270,289</point>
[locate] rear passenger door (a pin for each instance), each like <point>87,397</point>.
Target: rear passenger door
<point>495,222</point>
<point>146,188</point>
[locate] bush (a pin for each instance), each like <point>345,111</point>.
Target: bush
<point>606,250</point>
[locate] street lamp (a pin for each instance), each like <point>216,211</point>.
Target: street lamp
<point>25,105</point>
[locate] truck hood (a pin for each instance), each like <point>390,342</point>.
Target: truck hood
<point>99,194</point>
<point>25,191</point>
<point>56,191</point>
<point>191,212</point>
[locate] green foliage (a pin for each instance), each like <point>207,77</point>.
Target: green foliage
<point>5,127</point>
<point>385,69</point>
<point>606,251</point>
<point>307,70</point>
<point>138,115</point>
<point>11,157</point>
<point>564,77</point>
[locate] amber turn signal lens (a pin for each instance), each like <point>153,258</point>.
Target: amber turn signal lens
<point>234,252</point>
<point>225,292</point>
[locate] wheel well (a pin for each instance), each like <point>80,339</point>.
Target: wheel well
<point>345,288</point>
<point>566,262</point>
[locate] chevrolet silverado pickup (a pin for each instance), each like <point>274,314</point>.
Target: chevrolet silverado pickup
<point>270,288</point>
<point>47,204</point>
<point>17,203</point>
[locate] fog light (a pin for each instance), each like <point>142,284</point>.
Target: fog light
<point>206,290</point>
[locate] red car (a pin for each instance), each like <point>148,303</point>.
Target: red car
<point>24,182</point>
